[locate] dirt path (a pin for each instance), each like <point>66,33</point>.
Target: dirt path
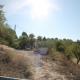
<point>42,70</point>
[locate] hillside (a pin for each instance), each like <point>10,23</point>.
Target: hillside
<point>12,64</point>
<point>26,64</point>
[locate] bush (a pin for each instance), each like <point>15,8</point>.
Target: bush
<point>60,47</point>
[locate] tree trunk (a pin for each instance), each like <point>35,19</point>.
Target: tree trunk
<point>78,61</point>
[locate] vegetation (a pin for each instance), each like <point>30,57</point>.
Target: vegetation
<point>13,64</point>
<point>60,46</point>
<point>60,50</point>
<point>23,40</point>
<point>74,51</point>
<point>64,60</point>
<point>7,35</point>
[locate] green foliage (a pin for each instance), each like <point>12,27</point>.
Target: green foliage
<point>2,17</point>
<point>74,51</point>
<point>31,36</point>
<point>31,40</point>
<point>68,52</point>
<point>60,46</point>
<point>39,38</point>
<point>7,34</point>
<point>44,38</point>
<point>26,41</point>
<point>23,40</point>
<point>78,41</point>
<point>24,34</point>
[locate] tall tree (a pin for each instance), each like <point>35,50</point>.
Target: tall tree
<point>31,40</point>
<point>2,17</point>
<point>2,20</point>
<point>23,40</point>
<point>24,34</point>
<point>39,38</point>
<point>44,39</point>
<point>31,36</point>
<point>7,34</point>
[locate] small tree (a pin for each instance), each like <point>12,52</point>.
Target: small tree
<point>68,52</point>
<point>76,52</point>
<point>60,46</point>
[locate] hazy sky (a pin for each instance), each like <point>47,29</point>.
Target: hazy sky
<point>50,18</point>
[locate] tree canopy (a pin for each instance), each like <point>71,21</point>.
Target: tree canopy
<point>7,34</point>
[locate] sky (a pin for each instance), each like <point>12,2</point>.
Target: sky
<point>49,18</point>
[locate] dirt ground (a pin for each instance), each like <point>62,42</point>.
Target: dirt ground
<point>42,69</point>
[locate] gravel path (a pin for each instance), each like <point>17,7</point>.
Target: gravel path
<point>42,70</point>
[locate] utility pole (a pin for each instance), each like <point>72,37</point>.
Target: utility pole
<point>1,6</point>
<point>15,28</point>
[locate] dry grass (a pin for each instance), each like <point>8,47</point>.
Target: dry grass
<point>65,66</point>
<point>13,64</point>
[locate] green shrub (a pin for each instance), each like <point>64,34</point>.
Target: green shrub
<point>59,46</point>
